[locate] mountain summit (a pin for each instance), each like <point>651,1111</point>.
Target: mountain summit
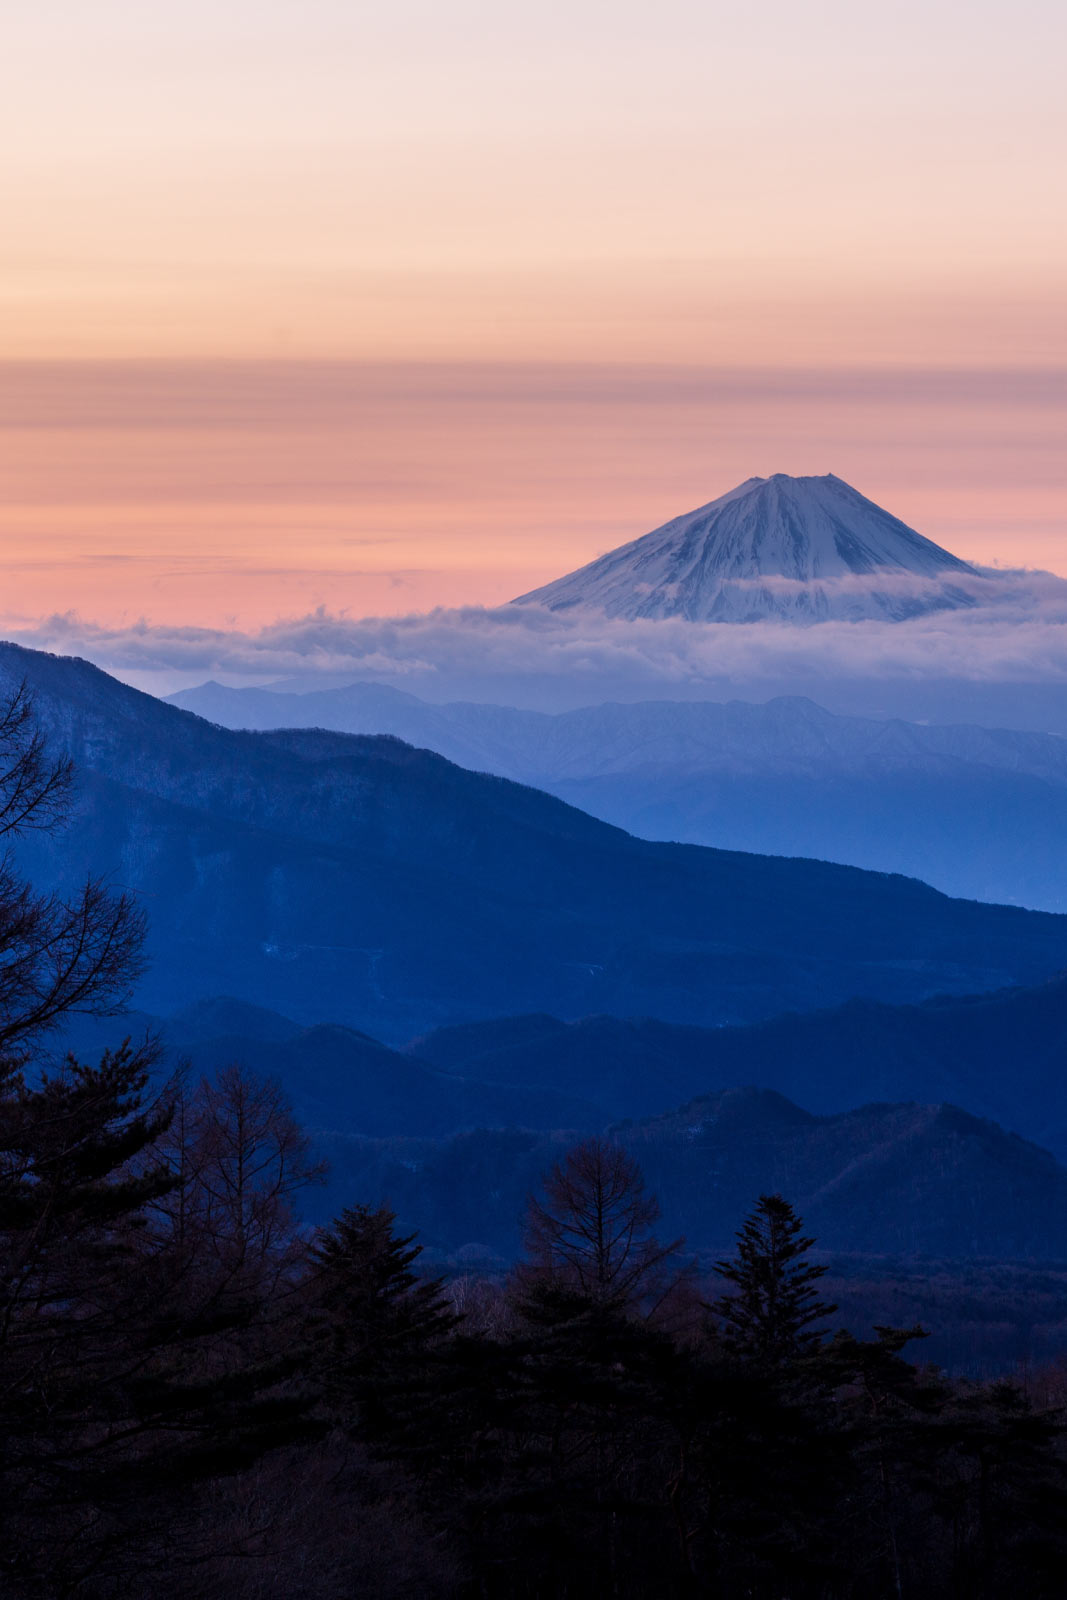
<point>795,549</point>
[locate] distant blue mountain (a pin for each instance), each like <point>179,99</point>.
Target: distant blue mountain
<point>1001,1055</point>
<point>974,811</point>
<point>336,1079</point>
<point>357,878</point>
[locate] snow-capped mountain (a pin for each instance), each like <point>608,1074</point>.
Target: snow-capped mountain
<point>796,549</point>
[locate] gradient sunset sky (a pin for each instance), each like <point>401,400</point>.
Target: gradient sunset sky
<point>384,306</point>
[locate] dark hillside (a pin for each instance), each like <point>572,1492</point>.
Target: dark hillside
<point>1002,1055</point>
<point>356,877</point>
<point>884,1180</point>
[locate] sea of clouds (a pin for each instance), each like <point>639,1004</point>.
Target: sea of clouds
<point>1014,629</point>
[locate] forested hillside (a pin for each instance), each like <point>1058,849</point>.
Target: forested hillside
<point>360,880</point>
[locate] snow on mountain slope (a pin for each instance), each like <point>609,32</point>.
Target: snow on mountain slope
<point>796,549</point>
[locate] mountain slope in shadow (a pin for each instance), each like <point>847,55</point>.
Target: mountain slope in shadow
<point>1001,1055</point>
<point>976,811</point>
<point>326,875</point>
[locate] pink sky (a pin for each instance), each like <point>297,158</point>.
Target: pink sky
<point>385,307</point>
<point>239,492</point>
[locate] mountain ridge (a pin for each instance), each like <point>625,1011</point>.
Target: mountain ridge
<point>977,811</point>
<point>357,877</point>
<point>999,1054</point>
<point>913,1177</point>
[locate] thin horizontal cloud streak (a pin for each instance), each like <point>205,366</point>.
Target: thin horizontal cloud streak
<point>203,395</point>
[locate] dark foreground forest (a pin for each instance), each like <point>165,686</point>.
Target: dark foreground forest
<point>200,1399</point>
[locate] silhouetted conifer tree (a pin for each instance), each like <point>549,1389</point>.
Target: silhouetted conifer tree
<point>374,1335</point>
<point>773,1312</point>
<point>374,1309</point>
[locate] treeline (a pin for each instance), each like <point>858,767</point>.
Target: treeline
<point>199,1400</point>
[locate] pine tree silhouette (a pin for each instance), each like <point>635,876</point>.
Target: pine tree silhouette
<point>374,1322</point>
<point>771,1314</point>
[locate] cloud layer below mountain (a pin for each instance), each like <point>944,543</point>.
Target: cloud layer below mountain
<point>1018,636</point>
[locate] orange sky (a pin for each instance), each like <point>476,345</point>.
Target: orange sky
<point>567,270</point>
<point>240,492</point>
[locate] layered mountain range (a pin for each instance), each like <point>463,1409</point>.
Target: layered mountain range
<point>457,1127</point>
<point>882,1179</point>
<point>357,878</point>
<point>453,975</point>
<point>975,811</point>
<point>1000,1055</point>
<point>802,549</point>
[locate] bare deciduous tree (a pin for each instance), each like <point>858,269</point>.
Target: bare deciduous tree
<point>593,1230</point>
<point>241,1157</point>
<point>57,956</point>
<point>34,785</point>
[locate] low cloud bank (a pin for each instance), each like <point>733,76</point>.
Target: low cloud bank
<point>1014,629</point>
